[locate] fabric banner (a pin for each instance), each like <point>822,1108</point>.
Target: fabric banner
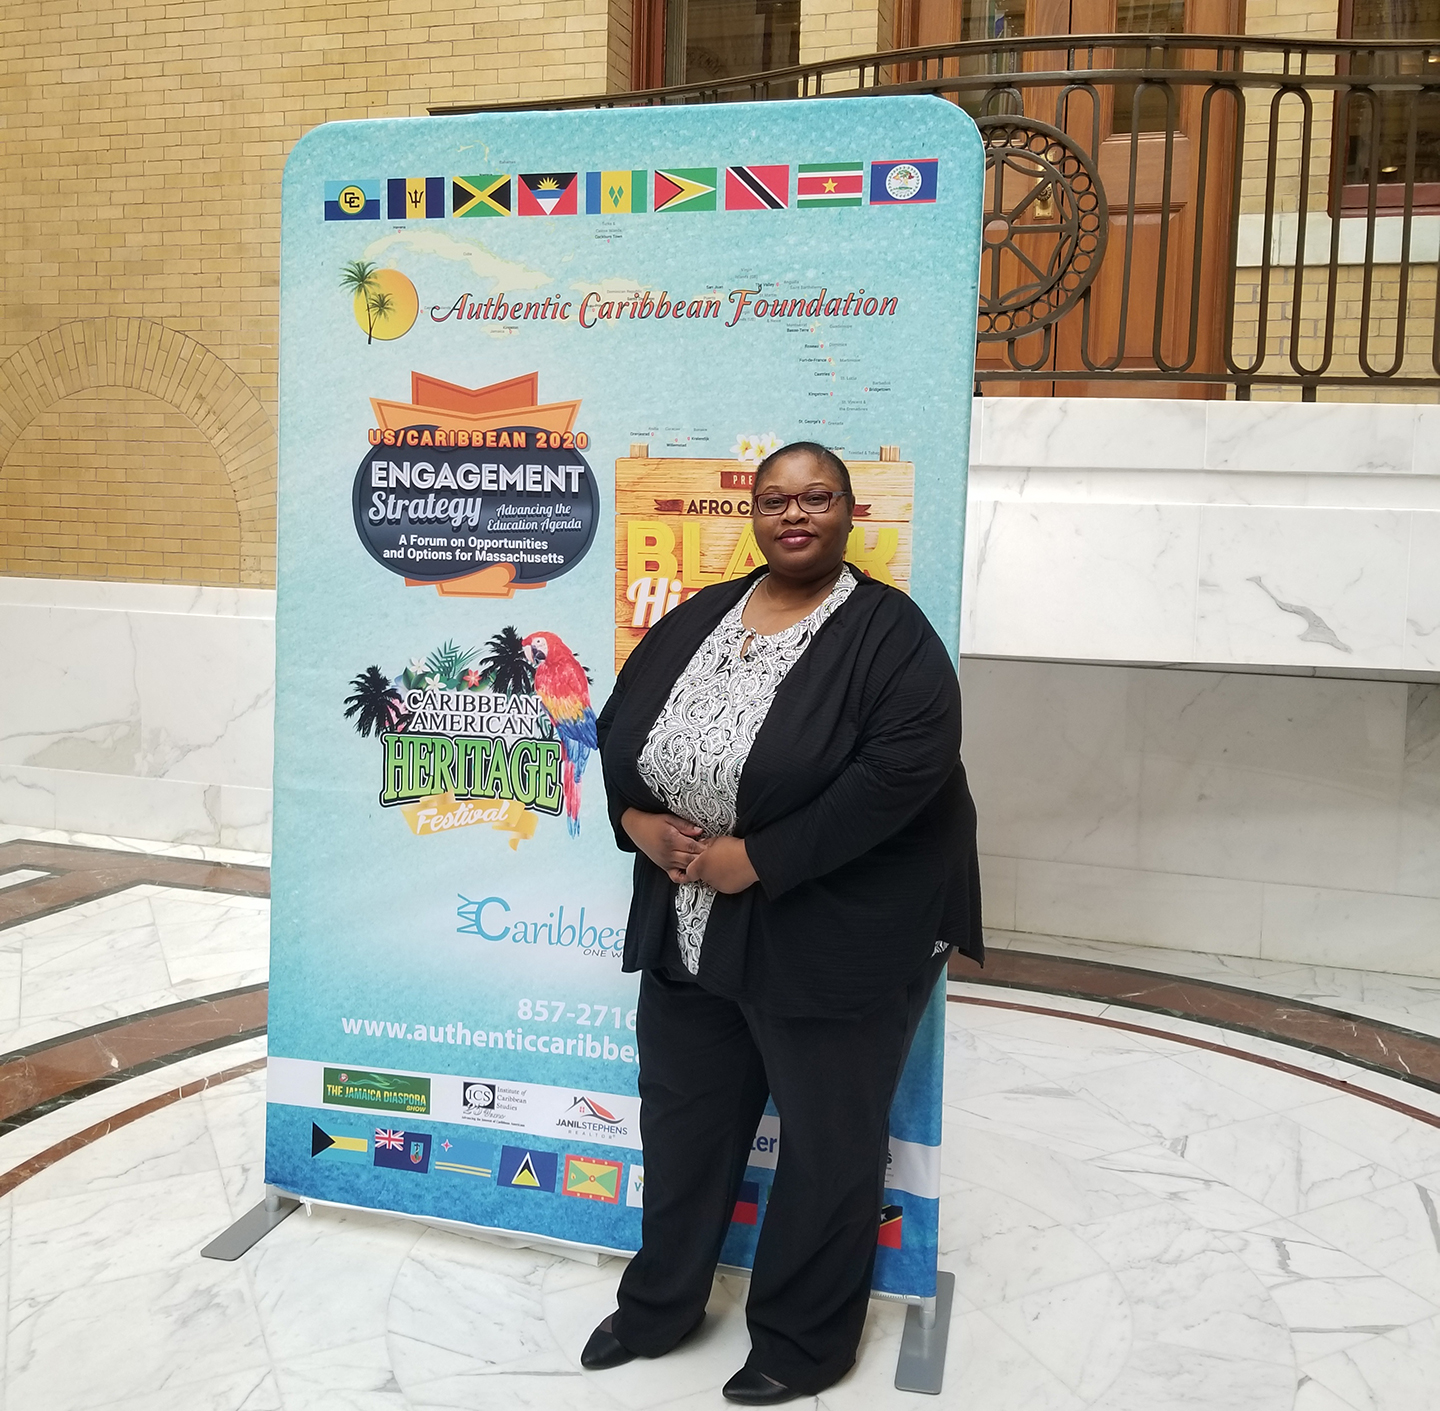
<point>506,450</point>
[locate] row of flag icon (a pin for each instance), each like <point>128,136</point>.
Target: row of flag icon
<point>739,188</point>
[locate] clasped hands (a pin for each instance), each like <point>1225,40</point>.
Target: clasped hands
<point>683,852</point>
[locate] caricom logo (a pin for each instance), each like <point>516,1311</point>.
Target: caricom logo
<point>492,919</point>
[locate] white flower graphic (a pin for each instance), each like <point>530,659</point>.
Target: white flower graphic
<point>754,448</point>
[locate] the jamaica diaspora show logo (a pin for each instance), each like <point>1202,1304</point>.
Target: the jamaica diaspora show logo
<point>478,489</point>
<point>469,737</point>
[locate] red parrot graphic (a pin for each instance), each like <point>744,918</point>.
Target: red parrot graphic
<point>565,693</point>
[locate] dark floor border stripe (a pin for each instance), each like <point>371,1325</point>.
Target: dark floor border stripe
<point>79,874</point>
<point>1328,1080</point>
<point>1406,1055</point>
<point>71,1035</point>
<point>121,1075</point>
<point>78,1141</point>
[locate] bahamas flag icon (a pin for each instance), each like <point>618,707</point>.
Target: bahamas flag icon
<point>685,189</point>
<point>593,1179</point>
<point>527,1170</point>
<point>615,193</point>
<point>352,200</point>
<point>415,197</point>
<point>549,193</point>
<point>481,196</point>
<point>321,1140</point>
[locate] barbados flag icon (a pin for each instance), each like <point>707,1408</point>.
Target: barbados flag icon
<point>488,195</point>
<point>415,197</point>
<point>615,193</point>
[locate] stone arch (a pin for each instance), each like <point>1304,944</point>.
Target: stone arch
<point>147,356</point>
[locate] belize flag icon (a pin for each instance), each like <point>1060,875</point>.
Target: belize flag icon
<point>904,183</point>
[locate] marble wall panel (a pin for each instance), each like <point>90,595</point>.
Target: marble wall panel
<point>1092,432</point>
<point>1054,759</point>
<point>1214,915</point>
<point>1338,438</point>
<point>1107,582</point>
<point>1359,930</point>
<point>1273,778</point>
<point>1417,868</point>
<point>1422,607</point>
<point>1302,587</point>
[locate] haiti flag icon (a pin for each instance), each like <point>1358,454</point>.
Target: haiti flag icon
<point>904,183</point>
<point>747,1204</point>
<point>528,1170</point>
<point>403,1151</point>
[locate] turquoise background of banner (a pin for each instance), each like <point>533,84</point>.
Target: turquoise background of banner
<point>366,915</point>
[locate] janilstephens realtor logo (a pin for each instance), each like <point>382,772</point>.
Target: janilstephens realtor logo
<point>470,738</point>
<point>481,484</point>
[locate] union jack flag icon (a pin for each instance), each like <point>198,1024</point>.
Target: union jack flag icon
<point>384,1137</point>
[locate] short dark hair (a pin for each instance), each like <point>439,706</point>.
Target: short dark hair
<point>823,454</point>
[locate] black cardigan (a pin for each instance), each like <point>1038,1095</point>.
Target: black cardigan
<point>853,806</point>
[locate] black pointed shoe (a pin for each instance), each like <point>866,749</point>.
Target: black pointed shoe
<point>604,1349</point>
<point>752,1388</point>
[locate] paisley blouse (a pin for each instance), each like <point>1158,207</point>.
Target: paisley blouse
<point>697,748</point>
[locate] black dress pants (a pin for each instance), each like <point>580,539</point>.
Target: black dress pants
<point>707,1065</point>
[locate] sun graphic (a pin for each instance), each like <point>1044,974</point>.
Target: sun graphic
<point>398,303</point>
<point>547,183</point>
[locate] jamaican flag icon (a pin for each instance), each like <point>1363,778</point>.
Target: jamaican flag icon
<point>488,195</point>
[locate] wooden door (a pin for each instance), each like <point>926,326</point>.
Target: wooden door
<point>1159,293</point>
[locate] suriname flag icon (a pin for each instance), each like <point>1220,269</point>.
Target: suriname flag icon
<point>592,1178</point>
<point>685,189</point>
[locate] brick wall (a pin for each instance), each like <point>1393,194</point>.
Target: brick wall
<point>836,29</point>
<point>141,147</point>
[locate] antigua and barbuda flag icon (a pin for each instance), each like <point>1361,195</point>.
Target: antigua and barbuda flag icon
<point>757,188</point>
<point>352,200</point>
<point>685,189</point>
<point>615,193</point>
<point>487,195</point>
<point>904,183</point>
<point>415,197</point>
<point>549,193</point>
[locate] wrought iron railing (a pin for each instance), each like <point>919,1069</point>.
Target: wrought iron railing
<point>1215,211</point>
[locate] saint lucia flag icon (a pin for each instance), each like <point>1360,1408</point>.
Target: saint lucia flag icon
<point>528,1170</point>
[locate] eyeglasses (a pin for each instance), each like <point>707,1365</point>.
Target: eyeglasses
<point>811,501</point>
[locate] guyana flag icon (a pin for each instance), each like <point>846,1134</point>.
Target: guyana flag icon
<point>685,189</point>
<point>593,1179</point>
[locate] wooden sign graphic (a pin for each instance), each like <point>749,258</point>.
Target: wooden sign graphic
<point>682,524</point>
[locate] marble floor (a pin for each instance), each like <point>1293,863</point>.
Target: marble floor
<point>1145,1210</point>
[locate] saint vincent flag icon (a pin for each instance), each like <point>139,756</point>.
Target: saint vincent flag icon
<point>415,197</point>
<point>487,195</point>
<point>615,193</point>
<point>685,189</point>
<point>549,193</point>
<point>757,188</point>
<point>527,1170</point>
<point>593,1179</point>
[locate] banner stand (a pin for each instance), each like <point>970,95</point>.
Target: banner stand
<point>923,1344</point>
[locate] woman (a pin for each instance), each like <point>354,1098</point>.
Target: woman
<point>782,755</point>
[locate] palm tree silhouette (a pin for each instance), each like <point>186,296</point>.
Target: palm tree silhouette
<point>376,702</point>
<point>505,664</point>
<point>359,277</point>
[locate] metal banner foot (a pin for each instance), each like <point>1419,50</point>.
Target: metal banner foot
<point>922,1345</point>
<point>254,1225</point>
